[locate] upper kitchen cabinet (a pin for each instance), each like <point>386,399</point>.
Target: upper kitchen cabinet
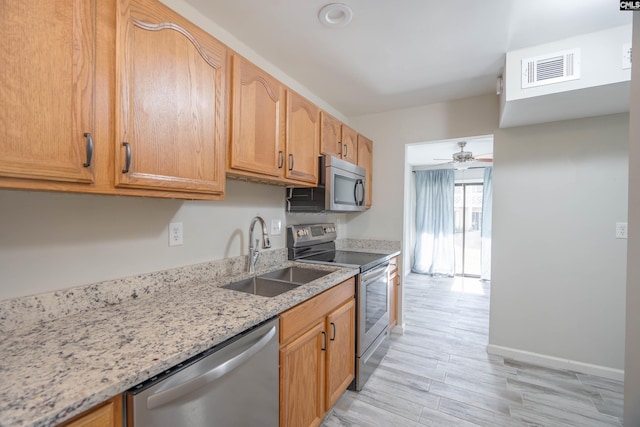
<point>349,144</point>
<point>170,101</point>
<point>47,90</point>
<point>365,160</point>
<point>257,122</point>
<point>302,139</point>
<point>337,139</point>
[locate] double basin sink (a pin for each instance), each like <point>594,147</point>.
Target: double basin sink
<point>277,282</point>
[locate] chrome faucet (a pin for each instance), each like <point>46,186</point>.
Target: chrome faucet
<point>253,250</point>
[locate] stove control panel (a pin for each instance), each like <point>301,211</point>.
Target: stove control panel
<point>310,234</point>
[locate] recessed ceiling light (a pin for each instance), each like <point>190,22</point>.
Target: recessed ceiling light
<point>335,15</point>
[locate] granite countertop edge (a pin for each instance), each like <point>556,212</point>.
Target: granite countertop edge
<point>74,356</point>
<point>59,369</point>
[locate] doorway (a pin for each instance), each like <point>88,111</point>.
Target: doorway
<point>468,223</point>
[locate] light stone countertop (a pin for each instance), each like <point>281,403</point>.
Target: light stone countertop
<point>52,370</point>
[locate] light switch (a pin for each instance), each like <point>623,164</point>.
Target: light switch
<point>626,56</point>
<point>622,232</point>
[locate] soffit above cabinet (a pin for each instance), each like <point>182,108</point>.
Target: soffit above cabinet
<point>582,76</point>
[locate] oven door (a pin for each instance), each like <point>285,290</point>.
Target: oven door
<point>373,310</point>
<point>344,186</point>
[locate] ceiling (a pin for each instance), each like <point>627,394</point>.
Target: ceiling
<point>403,53</point>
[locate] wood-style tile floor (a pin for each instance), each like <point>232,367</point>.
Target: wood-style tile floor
<point>438,373</point>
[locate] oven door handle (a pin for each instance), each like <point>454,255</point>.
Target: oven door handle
<point>376,273</point>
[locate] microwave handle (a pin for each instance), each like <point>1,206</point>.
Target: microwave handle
<point>359,201</point>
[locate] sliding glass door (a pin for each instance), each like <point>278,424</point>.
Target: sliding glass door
<point>468,220</point>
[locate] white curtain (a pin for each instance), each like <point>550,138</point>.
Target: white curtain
<point>434,250</point>
<point>485,230</point>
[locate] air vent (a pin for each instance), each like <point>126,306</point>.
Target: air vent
<point>552,68</point>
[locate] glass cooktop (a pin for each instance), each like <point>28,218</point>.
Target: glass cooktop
<point>363,260</point>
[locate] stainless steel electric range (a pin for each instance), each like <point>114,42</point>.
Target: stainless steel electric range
<point>315,243</point>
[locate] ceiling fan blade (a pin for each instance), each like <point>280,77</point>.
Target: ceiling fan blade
<point>483,160</point>
<point>484,156</point>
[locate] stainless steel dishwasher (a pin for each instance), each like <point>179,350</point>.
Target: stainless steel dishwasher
<point>232,384</point>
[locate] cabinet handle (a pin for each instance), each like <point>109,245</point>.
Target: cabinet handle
<point>280,159</point>
<point>346,150</point>
<point>127,158</point>
<point>89,149</point>
<point>333,327</point>
<point>324,341</point>
<point>290,162</point>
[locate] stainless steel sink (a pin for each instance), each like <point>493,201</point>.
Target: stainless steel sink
<point>296,274</point>
<point>277,282</point>
<point>261,286</point>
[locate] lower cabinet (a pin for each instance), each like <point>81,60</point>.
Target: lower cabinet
<point>317,355</point>
<point>106,414</point>
<point>341,350</point>
<point>302,378</point>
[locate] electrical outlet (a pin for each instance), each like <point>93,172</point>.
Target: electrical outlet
<point>622,232</point>
<point>276,227</point>
<point>175,234</point>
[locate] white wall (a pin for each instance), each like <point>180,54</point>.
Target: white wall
<point>388,218</point>
<point>390,133</point>
<point>600,62</point>
<point>558,272</point>
<point>602,78</point>
<point>51,241</point>
<point>632,357</point>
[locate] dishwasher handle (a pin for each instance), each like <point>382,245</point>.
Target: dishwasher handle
<point>166,396</point>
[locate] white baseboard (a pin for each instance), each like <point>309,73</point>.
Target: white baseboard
<point>556,362</point>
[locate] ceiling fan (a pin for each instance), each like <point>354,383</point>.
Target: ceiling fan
<point>465,159</point>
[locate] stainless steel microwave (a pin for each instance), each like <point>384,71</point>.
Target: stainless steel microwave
<point>341,188</point>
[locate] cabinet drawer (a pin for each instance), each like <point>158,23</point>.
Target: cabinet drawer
<point>300,317</point>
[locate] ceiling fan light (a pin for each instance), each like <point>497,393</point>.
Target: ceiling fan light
<point>335,15</point>
<point>460,166</point>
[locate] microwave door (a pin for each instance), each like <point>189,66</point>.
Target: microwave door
<point>345,191</point>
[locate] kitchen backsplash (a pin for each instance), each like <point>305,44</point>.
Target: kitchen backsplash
<point>30,310</point>
<point>386,245</point>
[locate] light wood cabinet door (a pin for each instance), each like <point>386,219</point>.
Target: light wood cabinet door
<point>47,89</point>
<point>349,144</point>
<point>330,135</point>
<point>340,351</point>
<point>108,414</point>
<point>337,139</point>
<point>170,93</point>
<point>302,139</point>
<point>257,120</point>
<point>302,379</point>
<point>365,160</point>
